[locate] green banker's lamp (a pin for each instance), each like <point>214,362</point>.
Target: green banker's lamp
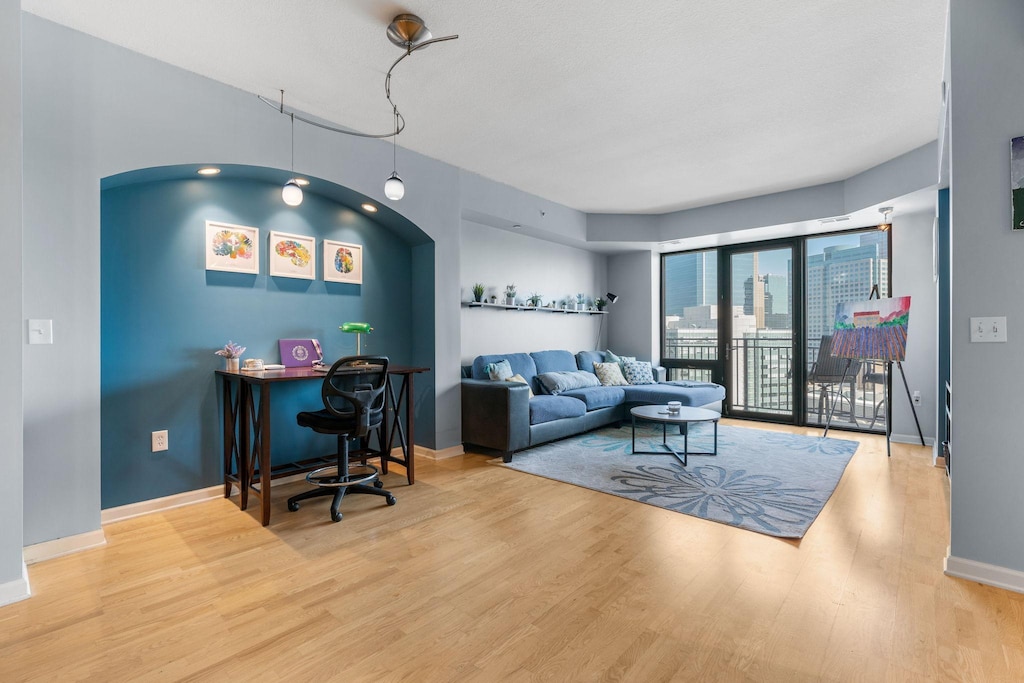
<point>357,329</point>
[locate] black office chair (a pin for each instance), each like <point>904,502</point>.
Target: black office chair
<point>353,394</point>
<point>827,374</point>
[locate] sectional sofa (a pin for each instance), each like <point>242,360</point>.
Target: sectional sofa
<point>501,415</point>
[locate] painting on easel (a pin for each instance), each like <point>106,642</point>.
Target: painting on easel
<point>872,330</point>
<point>1017,181</point>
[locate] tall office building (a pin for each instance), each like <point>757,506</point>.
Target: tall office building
<point>841,274</point>
<point>690,280</point>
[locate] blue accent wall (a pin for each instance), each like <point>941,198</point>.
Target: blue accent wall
<point>163,315</point>
<point>944,312</point>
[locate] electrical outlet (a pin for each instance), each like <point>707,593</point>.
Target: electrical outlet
<point>917,398</point>
<point>160,440</point>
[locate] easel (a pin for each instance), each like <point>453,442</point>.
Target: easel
<point>887,372</point>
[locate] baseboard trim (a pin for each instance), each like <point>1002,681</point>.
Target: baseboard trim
<point>17,590</point>
<point>58,547</point>
<point>145,507</point>
<point>988,574</point>
<point>911,439</point>
<point>442,454</point>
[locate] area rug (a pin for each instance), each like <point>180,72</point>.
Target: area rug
<point>770,482</point>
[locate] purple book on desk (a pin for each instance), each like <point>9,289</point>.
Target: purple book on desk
<point>298,353</point>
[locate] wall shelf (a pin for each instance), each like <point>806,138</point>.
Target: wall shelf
<point>525,308</point>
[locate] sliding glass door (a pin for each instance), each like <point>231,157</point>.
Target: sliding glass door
<point>758,318</point>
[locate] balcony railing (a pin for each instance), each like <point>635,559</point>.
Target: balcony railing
<point>759,374</point>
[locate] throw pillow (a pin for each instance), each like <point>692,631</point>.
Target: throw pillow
<point>521,380</point>
<point>557,382</point>
<point>499,371</point>
<point>610,374</point>
<point>611,357</point>
<point>638,372</point>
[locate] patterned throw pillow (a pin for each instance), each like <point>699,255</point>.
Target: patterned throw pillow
<point>638,372</point>
<point>521,380</point>
<point>610,374</point>
<point>499,371</point>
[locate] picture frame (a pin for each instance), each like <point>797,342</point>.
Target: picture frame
<point>1017,182</point>
<point>343,262</point>
<point>291,255</point>
<point>232,248</point>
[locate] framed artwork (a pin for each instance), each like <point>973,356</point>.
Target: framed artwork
<point>232,248</point>
<point>343,262</point>
<point>1017,181</point>
<point>292,256</point>
<point>875,329</point>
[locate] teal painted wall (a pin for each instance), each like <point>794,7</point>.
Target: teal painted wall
<point>163,315</point>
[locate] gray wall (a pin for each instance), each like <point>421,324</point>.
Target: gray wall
<point>634,320</point>
<point>495,258</point>
<point>986,101</point>
<point>12,329</point>
<point>912,275</point>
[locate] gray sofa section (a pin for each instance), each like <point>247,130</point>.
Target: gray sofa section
<point>503,417</point>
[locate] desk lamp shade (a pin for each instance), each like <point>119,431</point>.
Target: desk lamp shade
<point>357,329</point>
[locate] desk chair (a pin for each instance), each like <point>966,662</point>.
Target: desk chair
<point>353,394</point>
<point>827,374</point>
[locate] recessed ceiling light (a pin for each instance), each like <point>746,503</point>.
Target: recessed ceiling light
<point>369,207</point>
<point>208,170</point>
<point>517,227</point>
<point>301,182</point>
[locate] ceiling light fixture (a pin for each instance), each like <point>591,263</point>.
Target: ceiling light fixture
<point>301,182</point>
<point>369,208</point>
<point>208,170</point>
<point>291,193</point>
<point>885,225</point>
<point>408,32</point>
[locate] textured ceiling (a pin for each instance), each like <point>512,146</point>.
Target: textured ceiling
<point>611,107</point>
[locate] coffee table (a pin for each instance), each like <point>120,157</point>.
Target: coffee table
<point>683,418</point>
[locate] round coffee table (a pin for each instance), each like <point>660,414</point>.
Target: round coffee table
<point>683,418</point>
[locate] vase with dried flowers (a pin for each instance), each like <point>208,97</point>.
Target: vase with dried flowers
<point>231,353</point>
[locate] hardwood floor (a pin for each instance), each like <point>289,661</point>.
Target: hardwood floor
<point>481,573</point>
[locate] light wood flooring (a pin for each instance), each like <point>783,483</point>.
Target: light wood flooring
<point>485,574</point>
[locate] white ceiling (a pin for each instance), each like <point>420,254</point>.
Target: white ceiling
<point>613,107</point>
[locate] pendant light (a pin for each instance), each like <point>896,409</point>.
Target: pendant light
<point>886,224</point>
<point>394,188</point>
<point>291,193</point>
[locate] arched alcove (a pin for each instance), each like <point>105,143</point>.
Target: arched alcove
<point>163,314</point>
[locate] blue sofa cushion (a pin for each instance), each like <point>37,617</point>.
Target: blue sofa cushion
<point>549,408</point>
<point>554,361</point>
<point>687,393</point>
<point>555,383</point>
<point>522,364</point>
<point>585,359</point>
<point>598,397</point>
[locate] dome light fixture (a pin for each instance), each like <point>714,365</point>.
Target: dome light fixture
<point>408,32</point>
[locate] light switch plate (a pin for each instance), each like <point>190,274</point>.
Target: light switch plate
<point>988,330</point>
<point>40,331</point>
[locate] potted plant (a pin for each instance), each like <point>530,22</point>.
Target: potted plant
<point>494,299</point>
<point>535,299</point>
<point>600,303</point>
<point>581,300</point>
<point>510,295</point>
<point>231,353</point>
<point>478,292</point>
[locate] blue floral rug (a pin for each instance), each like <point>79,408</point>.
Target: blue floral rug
<point>770,482</point>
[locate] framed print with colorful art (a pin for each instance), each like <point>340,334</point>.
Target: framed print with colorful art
<point>232,248</point>
<point>292,256</point>
<point>343,262</point>
<point>1017,181</point>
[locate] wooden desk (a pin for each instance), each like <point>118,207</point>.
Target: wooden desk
<point>247,429</point>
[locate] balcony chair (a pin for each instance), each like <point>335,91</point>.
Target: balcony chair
<point>827,375</point>
<point>353,395</point>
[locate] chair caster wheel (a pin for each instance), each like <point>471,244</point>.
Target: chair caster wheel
<point>336,516</point>
<point>293,507</point>
<point>378,484</point>
<point>391,500</point>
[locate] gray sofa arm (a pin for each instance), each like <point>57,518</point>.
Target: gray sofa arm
<point>496,415</point>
